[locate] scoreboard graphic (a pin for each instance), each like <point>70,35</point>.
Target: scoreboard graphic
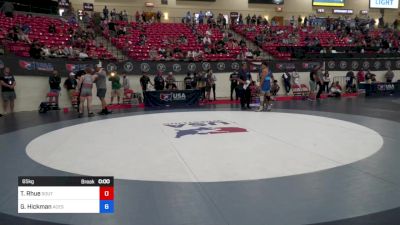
<point>65,194</point>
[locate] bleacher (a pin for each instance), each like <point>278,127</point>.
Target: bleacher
<point>156,33</point>
<point>39,31</point>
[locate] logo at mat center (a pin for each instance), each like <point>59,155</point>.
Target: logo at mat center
<point>204,128</point>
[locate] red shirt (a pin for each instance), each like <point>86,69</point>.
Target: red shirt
<point>360,76</point>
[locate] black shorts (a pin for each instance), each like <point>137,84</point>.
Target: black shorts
<point>101,93</point>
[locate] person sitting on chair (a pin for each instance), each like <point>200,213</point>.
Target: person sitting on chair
<point>335,90</point>
<point>275,88</point>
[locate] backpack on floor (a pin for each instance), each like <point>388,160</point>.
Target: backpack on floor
<point>44,107</point>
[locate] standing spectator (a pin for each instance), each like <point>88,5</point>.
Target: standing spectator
<point>201,84</point>
<point>54,83</point>
<point>7,9</point>
<point>105,12</point>
<point>244,83</point>
<point>265,85</point>
<point>137,16</point>
<point>171,86</point>
<point>209,81</point>
<point>158,16</point>
<point>100,79</point>
<point>349,81</point>
<point>85,86</point>
<point>296,77</point>
<point>188,81</point>
<point>326,80</point>
<point>313,83</point>
<point>213,80</point>
<point>389,75</point>
<point>159,82</point>
<point>194,81</point>
<point>144,82</point>
<point>125,83</point>
<point>299,21</point>
<point>70,84</point>
<point>8,83</point>
<point>52,28</point>
<point>170,78</point>
<point>286,81</point>
<point>320,82</point>
<point>360,76</point>
<point>115,87</point>
<point>234,83</point>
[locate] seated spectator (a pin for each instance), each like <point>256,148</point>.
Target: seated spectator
<point>82,55</point>
<point>72,20</point>
<point>120,32</point>
<point>12,36</point>
<point>373,78</point>
<point>368,76</point>
<point>45,52</point>
<point>335,90</point>
<point>275,88</point>
<point>220,48</point>
<point>52,28</point>
<point>242,43</point>
<point>153,54</point>
<point>207,40</point>
<point>35,51</point>
<point>26,28</point>
<point>23,37</point>
<point>189,55</point>
<point>248,54</point>
<point>68,51</point>
<point>389,75</point>
<point>170,78</point>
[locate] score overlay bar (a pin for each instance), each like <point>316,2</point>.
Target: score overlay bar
<point>65,194</point>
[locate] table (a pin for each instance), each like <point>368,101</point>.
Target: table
<point>171,98</point>
<point>380,89</point>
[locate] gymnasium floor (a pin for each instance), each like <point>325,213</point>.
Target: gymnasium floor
<point>328,162</point>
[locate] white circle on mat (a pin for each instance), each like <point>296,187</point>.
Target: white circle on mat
<point>205,146</point>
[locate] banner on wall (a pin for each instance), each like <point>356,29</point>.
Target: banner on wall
<point>171,98</point>
<point>27,66</point>
<point>384,4</point>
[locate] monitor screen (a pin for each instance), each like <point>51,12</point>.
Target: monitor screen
<point>338,3</point>
<point>276,2</point>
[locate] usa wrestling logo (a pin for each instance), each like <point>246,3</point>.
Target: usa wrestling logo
<point>168,97</point>
<point>204,128</point>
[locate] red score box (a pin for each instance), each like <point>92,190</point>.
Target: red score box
<point>106,193</point>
